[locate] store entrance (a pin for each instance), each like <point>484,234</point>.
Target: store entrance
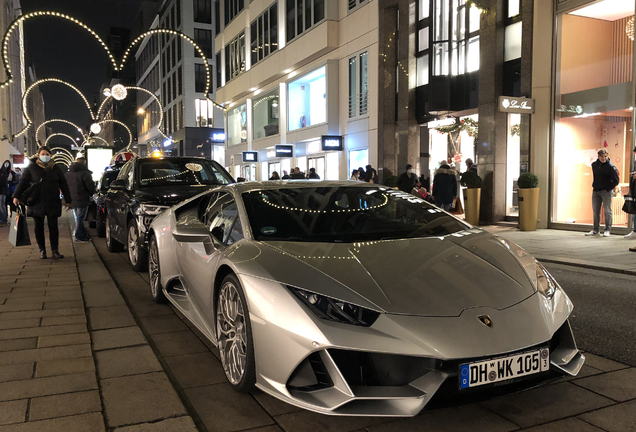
<point>249,172</point>
<point>318,163</point>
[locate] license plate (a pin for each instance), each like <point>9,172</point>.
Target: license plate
<point>504,368</point>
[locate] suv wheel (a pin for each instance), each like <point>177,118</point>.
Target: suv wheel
<point>136,253</point>
<point>112,244</point>
<point>100,224</point>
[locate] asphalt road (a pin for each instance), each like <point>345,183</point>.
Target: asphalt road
<point>604,317</point>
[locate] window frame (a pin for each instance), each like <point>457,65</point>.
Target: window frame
<point>236,66</point>
<point>299,16</point>
<point>260,48</point>
<point>359,84</point>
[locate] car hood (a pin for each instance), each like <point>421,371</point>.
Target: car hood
<point>440,276</point>
<point>168,196</point>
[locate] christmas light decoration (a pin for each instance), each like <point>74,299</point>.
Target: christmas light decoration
<point>96,128</point>
<point>629,28</point>
<point>119,92</point>
<point>62,149</point>
<point>59,134</point>
<point>37,131</point>
<point>130,136</point>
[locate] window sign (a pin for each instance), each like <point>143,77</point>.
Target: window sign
<point>516,105</point>
<point>284,150</point>
<point>250,156</point>
<point>218,137</point>
<point>331,142</point>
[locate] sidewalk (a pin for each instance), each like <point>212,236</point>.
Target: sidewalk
<point>84,348</point>
<point>573,248</point>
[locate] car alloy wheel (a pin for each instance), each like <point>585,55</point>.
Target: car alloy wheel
<point>111,244</point>
<point>154,273</point>
<point>138,256</point>
<point>232,332</point>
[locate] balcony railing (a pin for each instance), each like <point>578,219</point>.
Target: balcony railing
<point>358,105</point>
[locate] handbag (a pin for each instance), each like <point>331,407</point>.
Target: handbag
<point>32,194</point>
<point>630,200</point>
<point>19,234</point>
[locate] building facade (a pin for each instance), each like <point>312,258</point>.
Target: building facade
<point>172,70</point>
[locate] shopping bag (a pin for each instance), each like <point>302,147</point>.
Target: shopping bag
<point>19,233</point>
<point>457,207</point>
<point>630,200</point>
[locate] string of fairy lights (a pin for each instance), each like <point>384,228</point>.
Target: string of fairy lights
<point>59,134</point>
<point>37,131</point>
<point>304,210</point>
<point>130,136</point>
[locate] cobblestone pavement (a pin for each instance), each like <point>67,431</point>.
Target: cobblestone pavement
<point>84,348</point>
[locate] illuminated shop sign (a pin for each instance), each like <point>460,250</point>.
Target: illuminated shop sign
<point>218,137</point>
<point>250,156</point>
<point>284,150</point>
<point>331,142</point>
<point>516,105</point>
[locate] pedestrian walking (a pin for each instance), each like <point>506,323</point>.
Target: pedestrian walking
<point>604,181</point>
<point>407,179</point>
<point>5,178</point>
<point>312,174</point>
<point>444,186</point>
<point>43,180</point>
<point>81,185</point>
<point>275,176</point>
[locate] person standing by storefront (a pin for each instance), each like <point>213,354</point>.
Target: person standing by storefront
<point>406,181</point>
<point>48,179</point>
<point>632,177</point>
<point>82,187</point>
<point>444,186</point>
<point>605,180</point>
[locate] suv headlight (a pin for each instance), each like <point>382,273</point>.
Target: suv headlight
<point>546,284</point>
<point>150,210</point>
<point>336,310</point>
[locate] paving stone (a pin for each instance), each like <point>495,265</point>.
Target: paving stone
<point>103,296</point>
<point>139,399</point>
<point>546,404</point>
<point>17,307</point>
<point>42,331</point>
<point>41,313</point>
<point>127,361</point>
<point>18,344</point>
<point>163,324</point>
<point>603,364</point>
<point>94,271</point>
<point>117,338</point>
<point>63,304</point>
<point>619,385</point>
<point>64,367</point>
<point>150,308</point>
<point>584,372</point>
<point>222,409</point>
<point>110,317</point>
<point>178,343</point>
<point>272,405</point>
<point>93,422</point>
<point>22,294</point>
<point>40,354</point>
<point>570,424</point>
<point>56,296</point>
<point>16,372</point>
<point>70,282</point>
<point>618,418</point>
<point>13,412</point>
<point>181,424</point>
<point>55,321</point>
<point>64,405</point>
<point>47,386</point>
<point>64,340</point>
<point>195,370</point>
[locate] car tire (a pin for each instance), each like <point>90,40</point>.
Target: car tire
<point>137,255</point>
<point>100,225</point>
<point>111,244</point>
<point>154,272</point>
<point>232,318</point>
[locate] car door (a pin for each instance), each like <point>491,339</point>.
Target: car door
<point>199,261</point>
<point>118,204</point>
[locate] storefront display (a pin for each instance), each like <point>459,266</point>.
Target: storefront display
<point>265,115</point>
<point>237,125</point>
<point>307,100</point>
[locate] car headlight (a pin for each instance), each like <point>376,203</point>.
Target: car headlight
<point>150,210</point>
<point>336,310</point>
<point>546,284</point>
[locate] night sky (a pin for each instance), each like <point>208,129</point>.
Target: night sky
<point>58,48</point>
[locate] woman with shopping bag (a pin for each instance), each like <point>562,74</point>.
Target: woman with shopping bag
<point>41,182</point>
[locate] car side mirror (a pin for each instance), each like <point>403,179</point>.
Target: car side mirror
<point>191,233</point>
<point>118,185</point>
<point>217,233</point>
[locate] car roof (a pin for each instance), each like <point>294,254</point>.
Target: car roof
<point>298,184</point>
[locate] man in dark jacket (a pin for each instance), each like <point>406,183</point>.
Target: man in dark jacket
<point>407,179</point>
<point>313,175</point>
<point>444,186</point>
<point>605,180</point>
<point>80,183</point>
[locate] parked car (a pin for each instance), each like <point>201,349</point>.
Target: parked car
<point>357,299</point>
<point>97,207</point>
<point>144,188</point>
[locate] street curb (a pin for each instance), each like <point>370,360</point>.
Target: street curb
<point>586,264</point>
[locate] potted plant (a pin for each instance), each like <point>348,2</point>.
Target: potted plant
<point>528,194</point>
<point>472,194</point>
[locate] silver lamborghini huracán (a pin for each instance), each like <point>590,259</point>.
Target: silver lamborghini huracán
<point>351,298</point>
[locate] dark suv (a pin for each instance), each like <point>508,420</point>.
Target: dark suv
<point>144,188</point>
<point>97,208</point>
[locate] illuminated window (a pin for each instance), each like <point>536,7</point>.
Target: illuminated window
<point>235,57</point>
<point>307,100</point>
<point>237,125</point>
<point>265,114</point>
<point>358,85</point>
<point>264,34</point>
<point>203,110</point>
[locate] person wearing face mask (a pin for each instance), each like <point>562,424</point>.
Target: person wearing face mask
<point>44,172</point>
<point>406,181</point>
<point>5,181</point>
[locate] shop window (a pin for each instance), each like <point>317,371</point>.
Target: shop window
<point>307,100</point>
<point>235,57</point>
<point>357,159</point>
<point>203,38</point>
<point>237,125</point>
<point>265,115</point>
<point>302,15</point>
<point>424,9</point>
<point>232,9</point>
<point>472,60</point>
<point>199,77</point>
<point>513,8</point>
<point>204,114</point>
<point>358,85</point>
<point>455,37</point>
<point>264,34</point>
<point>217,17</point>
<point>422,70</point>
<point>202,11</point>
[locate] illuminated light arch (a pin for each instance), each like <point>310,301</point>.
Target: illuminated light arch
<point>37,83</point>
<point>60,134</point>
<point>59,158</point>
<point>95,137</point>
<point>37,131</point>
<point>62,149</point>
<point>62,156</point>
<point>130,137</point>
<point>22,18</point>
<point>99,110</point>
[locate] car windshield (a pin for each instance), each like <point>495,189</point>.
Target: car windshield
<point>344,214</point>
<point>108,177</point>
<point>172,172</point>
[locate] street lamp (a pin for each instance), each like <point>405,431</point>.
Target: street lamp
<point>119,92</point>
<point>141,111</point>
<point>96,128</point>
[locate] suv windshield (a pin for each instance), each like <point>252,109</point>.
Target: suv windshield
<point>344,214</point>
<point>173,172</point>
